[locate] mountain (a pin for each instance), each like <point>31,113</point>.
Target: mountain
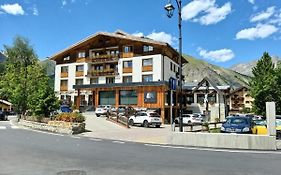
<point>246,68</point>
<point>195,70</point>
<point>49,65</point>
<point>2,57</point>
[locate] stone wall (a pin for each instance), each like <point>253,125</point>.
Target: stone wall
<point>55,126</point>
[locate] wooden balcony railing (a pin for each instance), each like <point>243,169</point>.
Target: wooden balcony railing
<point>63,88</point>
<point>82,60</point>
<point>102,72</point>
<point>104,58</point>
<point>127,70</point>
<point>79,73</point>
<point>147,68</point>
<point>127,55</point>
<point>64,74</point>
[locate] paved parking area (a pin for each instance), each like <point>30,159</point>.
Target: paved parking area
<point>99,127</point>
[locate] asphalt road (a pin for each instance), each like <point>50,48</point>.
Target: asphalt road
<point>26,152</point>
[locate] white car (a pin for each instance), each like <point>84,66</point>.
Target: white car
<point>102,110</point>
<point>189,119</point>
<point>146,119</point>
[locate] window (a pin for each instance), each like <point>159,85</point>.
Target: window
<point>190,99</point>
<point>200,98</point>
<point>147,62</point>
<point>110,80</point>
<point>63,83</point>
<point>128,97</point>
<point>80,68</point>
<point>147,78</point>
<point>171,66</point>
<point>81,55</point>
<point>147,48</point>
<point>174,69</point>
<point>66,58</point>
<point>106,97</point>
<point>128,49</point>
<point>127,79</point>
<point>127,64</point>
<point>64,69</point>
<point>94,81</point>
<point>78,81</point>
<point>98,67</point>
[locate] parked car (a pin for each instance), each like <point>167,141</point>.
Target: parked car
<point>237,124</point>
<point>123,110</point>
<point>146,119</point>
<point>102,110</point>
<point>260,127</point>
<point>3,115</point>
<point>189,119</point>
<point>201,116</point>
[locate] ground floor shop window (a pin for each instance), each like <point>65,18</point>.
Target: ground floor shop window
<point>107,97</point>
<point>128,97</point>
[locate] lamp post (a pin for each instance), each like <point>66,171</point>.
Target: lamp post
<point>170,9</point>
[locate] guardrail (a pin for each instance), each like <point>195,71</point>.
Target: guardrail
<point>198,127</point>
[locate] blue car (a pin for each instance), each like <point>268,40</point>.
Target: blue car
<point>237,124</point>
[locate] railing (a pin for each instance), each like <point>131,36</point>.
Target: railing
<point>102,72</point>
<point>64,74</point>
<point>104,58</point>
<point>63,88</point>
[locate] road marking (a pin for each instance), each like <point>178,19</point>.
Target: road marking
<point>215,150</point>
<point>3,127</point>
<point>93,139</point>
<point>118,142</point>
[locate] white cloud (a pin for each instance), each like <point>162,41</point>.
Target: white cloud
<point>263,15</point>
<point>64,2</point>
<point>251,1</point>
<point>221,55</point>
<point>162,36</point>
<point>12,9</point>
<point>260,31</point>
<point>195,7</point>
<point>215,15</point>
<point>35,11</point>
<point>205,12</point>
<point>138,34</point>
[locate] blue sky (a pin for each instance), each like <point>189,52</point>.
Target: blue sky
<point>222,32</point>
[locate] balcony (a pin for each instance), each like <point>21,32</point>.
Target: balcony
<point>79,73</point>
<point>64,74</point>
<point>147,68</point>
<point>82,60</point>
<point>127,54</point>
<point>103,58</point>
<point>96,73</point>
<point>127,70</point>
<point>63,88</point>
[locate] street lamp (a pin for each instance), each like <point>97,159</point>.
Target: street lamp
<point>170,9</point>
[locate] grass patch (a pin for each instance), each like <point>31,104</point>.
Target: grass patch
<point>215,130</point>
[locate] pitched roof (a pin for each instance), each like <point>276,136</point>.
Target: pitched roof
<point>117,34</point>
<point>5,102</point>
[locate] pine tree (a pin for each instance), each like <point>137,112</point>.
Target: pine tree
<point>263,84</point>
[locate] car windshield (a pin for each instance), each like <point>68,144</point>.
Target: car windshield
<point>185,116</point>
<point>237,121</point>
<point>260,122</point>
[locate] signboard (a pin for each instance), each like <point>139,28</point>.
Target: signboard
<point>150,97</point>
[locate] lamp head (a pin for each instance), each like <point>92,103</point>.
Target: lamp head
<point>170,9</point>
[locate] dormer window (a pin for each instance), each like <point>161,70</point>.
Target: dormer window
<point>81,55</point>
<point>66,58</point>
<point>147,48</point>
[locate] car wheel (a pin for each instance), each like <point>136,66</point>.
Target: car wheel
<point>176,122</point>
<point>189,122</point>
<point>97,115</point>
<point>157,126</point>
<point>131,122</point>
<point>145,124</point>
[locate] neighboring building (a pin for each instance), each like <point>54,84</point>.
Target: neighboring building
<point>5,105</point>
<point>116,69</point>
<point>206,97</point>
<point>240,100</point>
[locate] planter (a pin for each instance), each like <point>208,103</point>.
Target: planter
<point>55,126</point>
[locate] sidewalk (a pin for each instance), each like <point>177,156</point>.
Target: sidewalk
<point>99,127</point>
